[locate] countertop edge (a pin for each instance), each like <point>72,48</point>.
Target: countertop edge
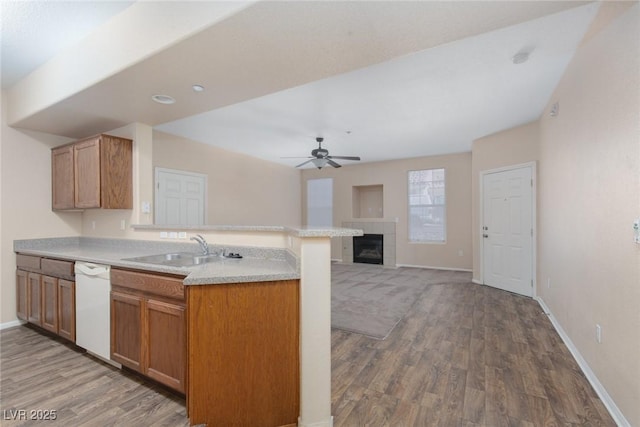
<point>296,231</point>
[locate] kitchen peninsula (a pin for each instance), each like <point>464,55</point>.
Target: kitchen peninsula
<point>272,306</point>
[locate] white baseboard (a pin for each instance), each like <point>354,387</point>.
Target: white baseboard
<point>477,282</point>
<point>11,324</point>
<point>430,267</point>
<point>608,402</point>
<point>328,423</point>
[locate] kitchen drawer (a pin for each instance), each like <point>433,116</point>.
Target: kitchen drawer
<point>57,268</point>
<point>28,262</point>
<point>167,286</point>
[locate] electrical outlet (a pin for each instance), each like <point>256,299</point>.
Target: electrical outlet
<point>460,252</point>
<point>93,225</point>
<point>548,282</point>
<point>598,333</point>
<point>123,224</point>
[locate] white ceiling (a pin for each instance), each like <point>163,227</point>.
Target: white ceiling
<point>432,102</point>
<point>381,80</point>
<point>35,31</point>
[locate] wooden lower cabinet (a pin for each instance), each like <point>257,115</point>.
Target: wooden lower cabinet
<point>21,294</point>
<point>244,367</point>
<point>46,294</point>
<point>49,289</point>
<point>166,346</point>
<point>34,299</point>
<point>126,330</point>
<point>148,332</point>
<point>67,309</point>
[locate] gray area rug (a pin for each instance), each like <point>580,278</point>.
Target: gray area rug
<point>371,300</point>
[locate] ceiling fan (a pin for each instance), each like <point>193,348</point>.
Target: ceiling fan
<point>320,157</point>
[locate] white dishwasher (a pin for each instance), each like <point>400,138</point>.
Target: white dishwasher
<point>93,312</point>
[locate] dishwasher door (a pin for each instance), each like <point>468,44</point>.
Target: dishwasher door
<point>93,313</point>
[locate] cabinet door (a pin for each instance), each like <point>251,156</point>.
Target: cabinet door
<point>67,309</point>
<point>116,172</point>
<point>86,157</point>
<point>166,347</point>
<point>21,294</point>
<point>62,188</point>
<point>34,301</point>
<point>50,303</point>
<point>126,330</point>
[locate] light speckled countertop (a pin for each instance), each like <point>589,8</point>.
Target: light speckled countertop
<point>257,264</point>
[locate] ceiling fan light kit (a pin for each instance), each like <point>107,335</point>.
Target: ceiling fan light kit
<point>320,157</point>
<point>319,163</point>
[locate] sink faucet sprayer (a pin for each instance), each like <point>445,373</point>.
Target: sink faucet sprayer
<point>203,243</point>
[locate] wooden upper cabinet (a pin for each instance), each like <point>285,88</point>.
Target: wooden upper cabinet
<point>86,165</point>
<point>62,178</point>
<point>93,173</point>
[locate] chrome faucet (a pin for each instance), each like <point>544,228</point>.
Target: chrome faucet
<point>203,243</point>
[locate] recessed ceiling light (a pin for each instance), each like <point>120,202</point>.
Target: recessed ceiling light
<point>198,88</point>
<point>163,99</point>
<point>522,56</point>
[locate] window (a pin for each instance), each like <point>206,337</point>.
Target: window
<point>320,202</point>
<point>427,213</point>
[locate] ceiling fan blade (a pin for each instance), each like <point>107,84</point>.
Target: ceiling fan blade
<point>304,163</point>
<point>344,157</point>
<point>332,163</point>
<point>298,157</point>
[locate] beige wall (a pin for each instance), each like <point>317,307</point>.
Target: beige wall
<point>393,176</point>
<point>511,147</point>
<point>25,201</point>
<point>241,190</point>
<point>589,196</point>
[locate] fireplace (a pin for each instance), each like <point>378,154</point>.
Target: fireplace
<point>367,249</point>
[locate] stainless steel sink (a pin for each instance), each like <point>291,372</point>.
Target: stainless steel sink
<point>177,259</point>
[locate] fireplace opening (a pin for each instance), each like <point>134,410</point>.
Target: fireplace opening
<point>367,249</point>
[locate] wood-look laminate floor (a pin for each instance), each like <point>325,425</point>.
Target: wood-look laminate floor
<point>42,373</point>
<point>464,355</point>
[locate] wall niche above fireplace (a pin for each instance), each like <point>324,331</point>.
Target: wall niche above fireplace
<point>367,201</point>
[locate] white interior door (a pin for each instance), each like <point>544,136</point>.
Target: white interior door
<point>320,202</point>
<point>507,232</point>
<point>180,197</point>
